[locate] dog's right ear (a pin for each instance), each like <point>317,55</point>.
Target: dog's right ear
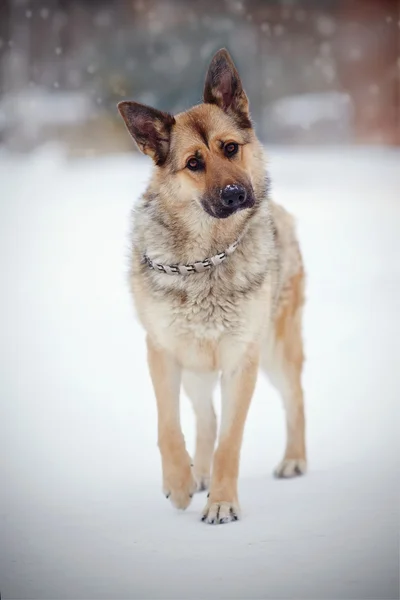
<point>149,127</point>
<point>223,87</point>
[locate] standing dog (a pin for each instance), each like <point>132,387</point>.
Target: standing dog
<point>218,283</point>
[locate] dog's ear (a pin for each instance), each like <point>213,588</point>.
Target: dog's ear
<point>224,88</point>
<point>149,127</point>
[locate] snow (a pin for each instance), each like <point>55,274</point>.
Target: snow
<point>82,513</point>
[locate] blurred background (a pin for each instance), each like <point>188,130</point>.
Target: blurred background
<point>316,71</point>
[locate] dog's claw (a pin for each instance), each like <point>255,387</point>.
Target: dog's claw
<point>220,513</point>
<point>290,467</point>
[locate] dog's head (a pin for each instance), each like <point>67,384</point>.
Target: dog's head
<point>208,154</point>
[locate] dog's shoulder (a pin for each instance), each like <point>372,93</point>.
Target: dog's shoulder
<point>290,262</point>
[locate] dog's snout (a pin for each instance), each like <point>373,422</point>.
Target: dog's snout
<point>226,201</point>
<point>233,196</point>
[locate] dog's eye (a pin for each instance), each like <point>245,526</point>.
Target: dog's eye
<point>194,164</point>
<point>231,149</point>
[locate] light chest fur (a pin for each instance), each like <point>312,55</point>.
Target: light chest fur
<point>197,317</point>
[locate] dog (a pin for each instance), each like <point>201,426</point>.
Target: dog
<point>218,283</point>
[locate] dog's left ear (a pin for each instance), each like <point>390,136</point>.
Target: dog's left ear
<point>149,127</point>
<point>224,88</point>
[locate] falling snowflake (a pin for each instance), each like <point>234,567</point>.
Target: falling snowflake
<point>326,25</point>
<point>102,19</point>
<point>374,89</point>
<point>355,53</point>
<point>300,15</point>
<point>265,28</point>
<point>279,30</point>
<point>236,7</point>
<point>325,49</point>
<point>328,71</point>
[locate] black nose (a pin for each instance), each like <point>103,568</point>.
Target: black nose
<point>233,196</point>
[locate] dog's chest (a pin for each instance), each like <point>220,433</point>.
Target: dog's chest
<point>202,310</point>
<point>194,318</point>
<point>207,312</point>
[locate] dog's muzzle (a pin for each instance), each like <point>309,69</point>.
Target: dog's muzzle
<point>233,197</point>
<point>228,200</point>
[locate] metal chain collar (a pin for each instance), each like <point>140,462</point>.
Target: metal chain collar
<point>196,267</point>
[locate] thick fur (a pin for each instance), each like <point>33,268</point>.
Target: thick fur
<point>228,321</point>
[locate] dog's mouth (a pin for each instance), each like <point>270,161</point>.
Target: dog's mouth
<point>221,207</point>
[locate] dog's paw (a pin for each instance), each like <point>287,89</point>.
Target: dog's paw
<point>179,486</point>
<point>203,482</point>
<point>220,512</point>
<point>291,467</point>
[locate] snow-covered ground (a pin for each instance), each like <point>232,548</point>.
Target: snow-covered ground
<point>82,513</point>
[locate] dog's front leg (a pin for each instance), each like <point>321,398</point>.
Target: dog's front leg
<point>238,382</point>
<point>178,481</point>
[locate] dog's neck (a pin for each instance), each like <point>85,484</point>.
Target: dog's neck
<point>199,266</point>
<point>206,235</point>
<point>166,237</point>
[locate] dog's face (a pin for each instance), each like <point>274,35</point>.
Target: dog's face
<point>206,154</point>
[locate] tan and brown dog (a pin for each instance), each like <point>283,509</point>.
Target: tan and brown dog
<point>218,283</point>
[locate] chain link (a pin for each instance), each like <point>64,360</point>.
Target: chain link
<point>199,266</point>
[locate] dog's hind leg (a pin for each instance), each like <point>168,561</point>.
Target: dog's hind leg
<point>178,481</point>
<point>199,388</point>
<point>282,359</point>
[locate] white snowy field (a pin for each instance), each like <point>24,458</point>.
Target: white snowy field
<point>82,515</point>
